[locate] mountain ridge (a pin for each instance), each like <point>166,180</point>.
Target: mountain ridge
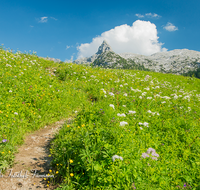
<point>178,61</point>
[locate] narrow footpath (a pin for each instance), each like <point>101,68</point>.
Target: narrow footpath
<point>32,162</point>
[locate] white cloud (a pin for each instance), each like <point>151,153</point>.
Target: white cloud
<point>67,47</point>
<point>53,18</point>
<point>170,27</point>
<point>154,15</point>
<point>139,15</point>
<point>139,38</point>
<point>31,26</point>
<point>43,19</point>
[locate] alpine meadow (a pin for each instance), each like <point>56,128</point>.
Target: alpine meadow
<point>131,129</point>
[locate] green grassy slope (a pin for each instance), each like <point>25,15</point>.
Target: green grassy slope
<point>121,115</point>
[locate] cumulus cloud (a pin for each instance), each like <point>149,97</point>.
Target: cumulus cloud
<point>67,47</point>
<point>149,15</point>
<point>170,27</point>
<point>139,38</point>
<point>43,19</point>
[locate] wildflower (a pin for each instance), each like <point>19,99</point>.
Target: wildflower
<point>150,150</point>
<point>4,140</point>
<point>71,161</point>
<point>15,113</point>
<point>144,155</point>
<point>124,105</point>
<point>154,158</point>
<point>50,171</point>
<point>56,172</point>
<point>110,93</point>
<point>125,94</point>
<point>121,115</point>
<point>111,105</point>
<point>145,124</point>
<point>10,90</point>
<point>131,112</point>
<point>141,128</point>
<point>123,123</point>
<point>116,157</point>
<point>71,174</point>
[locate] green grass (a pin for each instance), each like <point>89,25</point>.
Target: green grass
<point>82,151</point>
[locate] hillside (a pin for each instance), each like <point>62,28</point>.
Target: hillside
<point>132,129</point>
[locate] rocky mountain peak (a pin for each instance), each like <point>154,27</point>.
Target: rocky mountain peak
<point>103,48</point>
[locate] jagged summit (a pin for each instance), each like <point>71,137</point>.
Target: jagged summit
<point>104,47</point>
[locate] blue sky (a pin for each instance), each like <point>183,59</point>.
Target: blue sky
<point>71,29</point>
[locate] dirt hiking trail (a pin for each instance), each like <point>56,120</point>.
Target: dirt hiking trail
<point>32,162</point>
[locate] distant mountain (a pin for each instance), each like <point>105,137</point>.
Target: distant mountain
<point>179,61</point>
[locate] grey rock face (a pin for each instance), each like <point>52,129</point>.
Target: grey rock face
<point>104,47</point>
<point>177,61</point>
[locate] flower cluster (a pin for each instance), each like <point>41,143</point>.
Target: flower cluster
<point>153,154</point>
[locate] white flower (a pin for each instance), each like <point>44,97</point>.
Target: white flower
<point>146,124</point>
<point>144,155</point>
<point>140,123</point>
<point>124,105</point>
<point>116,157</point>
<point>121,85</point>
<point>75,111</point>
<point>149,97</point>
<point>105,95</point>
<point>111,105</point>
<point>121,115</point>
<point>15,113</point>
<point>140,97</point>
<point>125,94</point>
<point>141,128</point>
<point>149,111</point>
<point>110,93</point>
<point>10,90</point>
<point>123,123</point>
<point>158,114</point>
<point>132,112</point>
<point>163,102</point>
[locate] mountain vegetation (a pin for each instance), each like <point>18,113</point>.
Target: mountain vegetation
<point>131,129</point>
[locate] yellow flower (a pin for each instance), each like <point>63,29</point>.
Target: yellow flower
<point>71,161</point>
<point>67,125</point>
<point>71,174</point>
<point>56,172</point>
<point>57,164</point>
<point>78,127</point>
<point>9,152</point>
<point>47,185</point>
<point>49,155</point>
<point>50,171</point>
<point>44,178</point>
<point>83,125</point>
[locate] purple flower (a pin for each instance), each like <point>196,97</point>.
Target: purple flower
<point>154,158</point>
<point>155,154</point>
<point>4,140</point>
<point>144,155</point>
<point>150,150</point>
